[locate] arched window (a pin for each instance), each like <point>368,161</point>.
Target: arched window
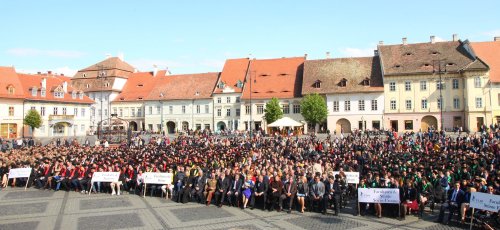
<point>317,84</point>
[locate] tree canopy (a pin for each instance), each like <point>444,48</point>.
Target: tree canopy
<point>313,108</point>
<point>33,119</point>
<point>273,111</point>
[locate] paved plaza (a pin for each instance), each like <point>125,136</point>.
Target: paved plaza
<point>35,209</point>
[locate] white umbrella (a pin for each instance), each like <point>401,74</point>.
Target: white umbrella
<point>285,122</point>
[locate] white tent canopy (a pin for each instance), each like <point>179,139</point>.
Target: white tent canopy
<point>285,122</point>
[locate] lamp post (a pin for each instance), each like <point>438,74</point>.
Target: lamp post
<point>161,112</point>
<point>102,76</point>
<point>251,106</point>
<point>440,71</point>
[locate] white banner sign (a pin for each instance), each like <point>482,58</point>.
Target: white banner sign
<point>378,195</point>
<point>19,172</point>
<point>350,177</point>
<point>105,176</point>
<point>157,178</point>
<point>485,201</point>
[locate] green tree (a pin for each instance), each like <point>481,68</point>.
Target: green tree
<point>273,111</point>
<point>313,109</point>
<point>33,120</point>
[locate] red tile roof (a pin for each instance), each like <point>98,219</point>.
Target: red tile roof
<point>234,70</point>
<point>183,87</point>
<point>489,52</point>
<point>29,81</point>
<point>138,86</point>
<point>8,77</point>
<point>280,78</point>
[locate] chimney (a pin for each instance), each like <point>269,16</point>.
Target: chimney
<point>405,41</point>
<point>167,71</point>
<point>375,52</point>
<point>305,56</point>
<point>155,70</point>
<point>497,39</point>
<point>381,43</point>
<point>65,87</point>
<point>108,56</point>
<point>327,55</point>
<point>38,72</point>
<point>44,83</point>
<point>455,37</point>
<point>49,72</point>
<point>433,39</point>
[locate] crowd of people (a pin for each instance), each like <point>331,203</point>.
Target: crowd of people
<point>430,169</point>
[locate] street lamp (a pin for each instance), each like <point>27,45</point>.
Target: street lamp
<point>102,76</point>
<point>161,111</point>
<point>251,106</point>
<point>440,70</point>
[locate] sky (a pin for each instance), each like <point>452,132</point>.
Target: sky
<point>198,36</point>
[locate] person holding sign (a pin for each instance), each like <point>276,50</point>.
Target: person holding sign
<point>466,204</point>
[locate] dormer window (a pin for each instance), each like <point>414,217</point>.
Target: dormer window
<point>408,54</point>
<point>317,84</point>
<point>343,82</point>
<point>140,85</point>
<point>11,90</point>
<point>427,64</point>
<point>42,92</point>
<point>34,92</point>
<point>221,85</point>
<point>435,53</point>
<point>140,98</point>
<point>239,84</point>
<point>264,75</point>
<point>84,75</point>
<point>283,74</point>
<point>73,95</point>
<point>397,66</point>
<point>366,82</point>
<point>80,95</point>
<point>450,64</point>
<point>197,93</point>
<point>106,85</point>
<point>88,86</point>
<point>58,94</point>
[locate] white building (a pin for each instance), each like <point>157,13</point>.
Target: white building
<point>11,104</point>
<point>65,111</point>
<point>353,90</point>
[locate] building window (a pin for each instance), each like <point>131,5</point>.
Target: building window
<point>183,109</point>
<point>11,90</point>
<point>479,102</point>
<point>392,86</point>
<point>219,100</point>
<point>286,109</point>
<point>455,83</point>
<point>347,105</point>
<point>408,104</point>
<point>374,105</point>
<point>477,82</point>
<point>260,109</point>
<point>121,112</point>
<point>408,124</point>
<point>424,103</point>
<point>73,95</point>
<point>59,94</point>
<point>42,111</point>
<point>132,112</point>
<point>393,104</point>
<point>247,109</point>
<point>64,110</point>
<point>75,112</point>
<point>296,108</point>
<point>198,109</point>
<point>456,103</point>
<point>343,82</point>
<point>440,85</point>
<point>139,112</point>
<point>158,109</point>
<point>361,105</point>
<point>439,104</point>
<point>366,82</point>
<point>34,92</point>
<point>42,92</point>
<point>207,109</point>
<point>171,109</point>
<point>82,128</point>
<point>228,112</point>
<point>238,99</point>
<point>407,85</point>
<point>317,84</point>
<point>11,111</point>
<point>237,112</point>
<point>33,108</point>
<point>335,106</point>
<point>423,85</point>
<point>105,112</point>
<point>150,110</point>
<point>219,112</point>
<point>80,95</point>
<point>228,99</point>
<point>54,111</point>
<point>83,112</point>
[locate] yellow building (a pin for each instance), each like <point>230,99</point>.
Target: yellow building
<point>433,85</point>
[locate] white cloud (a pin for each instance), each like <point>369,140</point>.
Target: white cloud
<point>356,52</point>
<point>67,71</point>
<point>29,52</point>
<point>147,64</point>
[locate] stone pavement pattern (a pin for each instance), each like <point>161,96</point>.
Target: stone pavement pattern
<point>35,209</point>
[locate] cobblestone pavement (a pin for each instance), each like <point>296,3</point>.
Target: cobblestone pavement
<point>34,209</point>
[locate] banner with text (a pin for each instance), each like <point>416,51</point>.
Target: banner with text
<point>379,195</point>
<point>19,173</point>
<point>106,176</point>
<point>157,178</point>
<point>485,201</point>
<point>350,177</point>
